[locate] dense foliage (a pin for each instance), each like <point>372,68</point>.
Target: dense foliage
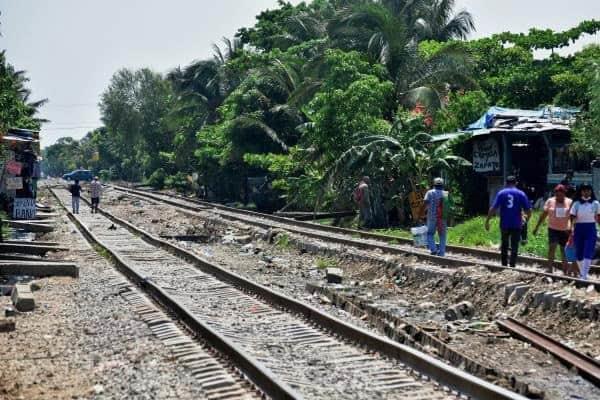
<point>316,94</point>
<point>16,108</point>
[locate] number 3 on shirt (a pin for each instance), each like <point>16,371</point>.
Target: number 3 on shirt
<point>511,201</point>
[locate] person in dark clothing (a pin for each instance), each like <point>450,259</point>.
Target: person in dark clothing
<point>515,209</point>
<point>75,190</point>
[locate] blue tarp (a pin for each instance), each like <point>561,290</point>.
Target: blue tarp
<point>487,120</point>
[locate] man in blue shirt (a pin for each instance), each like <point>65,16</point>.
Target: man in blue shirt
<point>513,205</point>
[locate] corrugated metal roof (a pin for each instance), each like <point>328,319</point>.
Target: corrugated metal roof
<point>506,120</point>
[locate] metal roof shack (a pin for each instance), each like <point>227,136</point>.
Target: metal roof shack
<point>530,144</point>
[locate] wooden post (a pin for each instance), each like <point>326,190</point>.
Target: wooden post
<point>505,157</point>
<point>550,155</point>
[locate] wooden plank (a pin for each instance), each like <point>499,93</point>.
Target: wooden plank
<point>29,242</point>
<point>32,227</point>
<point>38,269</point>
<point>29,248</point>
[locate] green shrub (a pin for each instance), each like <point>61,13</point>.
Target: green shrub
<point>324,263</point>
<point>283,241</point>
<point>179,181</point>
<point>157,179</point>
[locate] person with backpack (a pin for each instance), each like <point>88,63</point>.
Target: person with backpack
<point>585,213</point>
<point>438,208</point>
<point>75,190</point>
<point>515,210</point>
<point>362,198</point>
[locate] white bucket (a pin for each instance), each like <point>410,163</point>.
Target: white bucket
<point>419,235</point>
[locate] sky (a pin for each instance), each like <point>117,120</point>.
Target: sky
<point>71,48</point>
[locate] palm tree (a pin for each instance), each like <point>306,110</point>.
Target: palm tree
<point>400,162</point>
<point>15,105</point>
<point>204,85</point>
<point>439,23</point>
<point>381,30</point>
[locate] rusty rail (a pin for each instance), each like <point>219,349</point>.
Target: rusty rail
<point>587,366</point>
<point>351,234</point>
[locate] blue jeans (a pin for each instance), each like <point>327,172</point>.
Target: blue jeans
<point>440,249</point>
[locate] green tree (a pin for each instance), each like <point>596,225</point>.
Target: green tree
<point>587,129</point>
<point>16,108</point>
<point>133,109</point>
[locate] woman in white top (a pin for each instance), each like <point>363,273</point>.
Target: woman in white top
<point>585,214</point>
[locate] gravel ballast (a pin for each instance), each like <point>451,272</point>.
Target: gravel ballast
<point>84,341</point>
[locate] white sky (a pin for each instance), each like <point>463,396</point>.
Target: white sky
<point>71,48</point>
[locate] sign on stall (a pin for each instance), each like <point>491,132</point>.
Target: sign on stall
<point>14,183</point>
<point>486,156</point>
<point>24,208</point>
<point>417,204</point>
<point>14,167</point>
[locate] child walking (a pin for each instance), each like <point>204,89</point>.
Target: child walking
<point>585,214</point>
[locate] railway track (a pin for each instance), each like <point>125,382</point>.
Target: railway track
<point>288,348</point>
<point>457,257</point>
<point>587,366</point>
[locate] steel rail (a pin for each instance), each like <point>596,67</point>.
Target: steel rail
<point>587,366</point>
<point>444,374</point>
<point>472,251</point>
<point>447,261</point>
<point>256,373</point>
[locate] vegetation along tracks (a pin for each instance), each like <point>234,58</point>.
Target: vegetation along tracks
<point>458,257</point>
<point>306,350</point>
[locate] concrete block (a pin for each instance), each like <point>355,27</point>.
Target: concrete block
<point>549,298</point>
<point>538,298</point>
<point>520,291</point>
<point>509,289</point>
<point>22,298</point>
<point>462,310</point>
<point>7,325</point>
<point>334,275</point>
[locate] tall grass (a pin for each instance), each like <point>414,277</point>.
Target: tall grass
<point>472,233</point>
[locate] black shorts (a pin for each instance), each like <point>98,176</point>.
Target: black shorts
<point>95,201</point>
<point>558,237</point>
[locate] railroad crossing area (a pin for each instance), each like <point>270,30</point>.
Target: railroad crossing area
<point>158,296</point>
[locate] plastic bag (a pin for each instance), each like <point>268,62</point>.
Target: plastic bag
<point>570,253</point>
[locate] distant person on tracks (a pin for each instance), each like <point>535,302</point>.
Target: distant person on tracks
<point>95,193</point>
<point>437,207</point>
<point>585,214</point>
<point>515,210</point>
<point>75,190</point>
<point>557,210</point>
<point>362,197</point>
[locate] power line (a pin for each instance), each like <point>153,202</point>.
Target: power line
<point>50,105</point>
<point>70,128</point>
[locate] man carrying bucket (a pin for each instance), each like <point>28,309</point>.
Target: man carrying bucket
<point>437,206</point>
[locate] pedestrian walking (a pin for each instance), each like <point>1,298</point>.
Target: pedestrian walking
<point>515,209</point>
<point>437,208</point>
<point>75,190</point>
<point>362,197</point>
<point>585,213</point>
<point>557,210</point>
<point>95,193</point>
